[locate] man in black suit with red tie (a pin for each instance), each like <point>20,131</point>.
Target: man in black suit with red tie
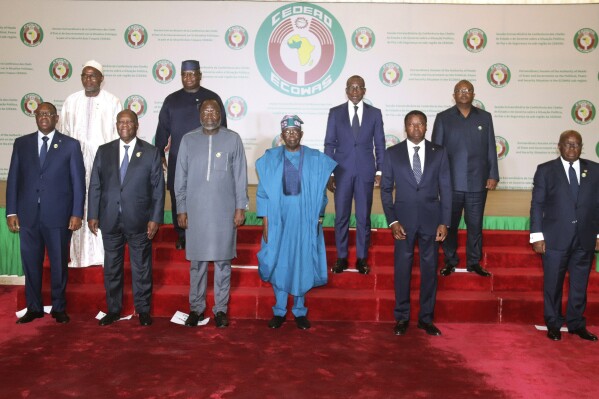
<point>419,172</point>
<point>126,202</point>
<point>45,192</point>
<point>564,228</point>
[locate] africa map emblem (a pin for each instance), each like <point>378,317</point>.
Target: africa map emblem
<point>163,71</point>
<point>363,39</point>
<point>498,75</point>
<point>390,74</point>
<point>136,36</point>
<point>583,112</point>
<point>31,34</point>
<point>236,37</point>
<point>300,49</point>
<point>585,40</point>
<point>236,108</point>
<point>60,69</point>
<point>30,102</point>
<point>475,40</point>
<point>137,104</point>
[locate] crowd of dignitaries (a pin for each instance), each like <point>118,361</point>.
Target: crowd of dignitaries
<point>425,188</point>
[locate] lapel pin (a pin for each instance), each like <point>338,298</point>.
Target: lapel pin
<point>480,127</point>
<point>55,145</point>
<point>138,154</point>
<point>584,173</point>
<point>218,154</point>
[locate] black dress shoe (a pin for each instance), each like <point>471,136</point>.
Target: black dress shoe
<point>429,328</point>
<point>302,322</point>
<point>554,334</point>
<point>447,270</point>
<point>194,318</point>
<point>339,266</point>
<point>145,319</point>
<point>180,243</point>
<point>478,269</point>
<point>401,327</point>
<point>584,334</point>
<point>362,266</point>
<point>276,322</point>
<point>109,319</point>
<point>60,317</point>
<point>221,320</point>
<point>30,316</point>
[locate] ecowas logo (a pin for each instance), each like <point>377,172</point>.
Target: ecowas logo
<point>583,112</point>
<point>391,140</point>
<point>236,37</point>
<point>31,34</point>
<point>475,40</point>
<point>30,102</point>
<point>478,104</point>
<point>163,71</point>
<point>136,36</point>
<point>60,69</point>
<point>585,40</point>
<point>277,141</point>
<point>502,146</point>
<point>390,74</point>
<point>363,39</point>
<point>300,49</point>
<point>499,75</point>
<point>236,108</point>
<point>137,104</point>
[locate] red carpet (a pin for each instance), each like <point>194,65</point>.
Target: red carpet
<point>332,360</point>
<point>512,294</point>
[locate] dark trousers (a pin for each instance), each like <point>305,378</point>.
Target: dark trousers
<point>180,231</point>
<point>404,258</point>
<point>347,189</point>
<point>140,256</point>
<point>577,262</point>
<point>34,241</point>
<point>473,206</point>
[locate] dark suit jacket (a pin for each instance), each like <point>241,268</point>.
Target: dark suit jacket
<point>470,145</point>
<point>421,206</point>
<point>140,197</point>
<point>554,212</point>
<point>355,156</point>
<point>58,186</point>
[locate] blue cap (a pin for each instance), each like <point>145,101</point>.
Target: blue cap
<point>190,65</point>
<point>291,121</point>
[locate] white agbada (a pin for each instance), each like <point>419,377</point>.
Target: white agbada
<point>92,121</point>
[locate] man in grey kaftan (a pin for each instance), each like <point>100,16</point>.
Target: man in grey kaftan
<point>211,193</point>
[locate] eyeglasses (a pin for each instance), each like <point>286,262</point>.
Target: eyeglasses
<point>464,91</point>
<point>292,132</point>
<point>572,146</point>
<point>417,124</point>
<point>44,114</point>
<point>355,88</point>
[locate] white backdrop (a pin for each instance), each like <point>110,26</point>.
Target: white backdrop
<point>535,68</point>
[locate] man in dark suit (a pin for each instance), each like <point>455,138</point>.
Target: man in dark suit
<point>354,130</point>
<point>564,228</point>
<point>467,134</point>
<point>421,212</point>
<point>126,202</point>
<point>179,116</point>
<point>45,193</point>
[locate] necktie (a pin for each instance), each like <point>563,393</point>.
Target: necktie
<point>355,122</point>
<point>44,150</point>
<point>125,163</point>
<point>573,182</point>
<point>416,165</point>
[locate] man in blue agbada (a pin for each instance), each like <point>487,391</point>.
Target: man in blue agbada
<point>291,200</point>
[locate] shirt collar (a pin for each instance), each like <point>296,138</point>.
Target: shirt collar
<point>131,143</point>
<point>567,163</point>
<point>49,135</point>
<point>412,145</point>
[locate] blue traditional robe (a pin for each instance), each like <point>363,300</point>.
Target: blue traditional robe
<point>294,259</point>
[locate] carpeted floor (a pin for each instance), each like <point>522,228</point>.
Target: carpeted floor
<point>248,360</point>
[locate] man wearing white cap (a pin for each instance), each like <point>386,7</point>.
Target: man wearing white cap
<point>88,116</point>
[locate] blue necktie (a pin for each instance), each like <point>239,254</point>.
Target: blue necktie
<point>416,165</point>
<point>44,150</point>
<point>573,182</point>
<point>124,164</point>
<point>355,122</point>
